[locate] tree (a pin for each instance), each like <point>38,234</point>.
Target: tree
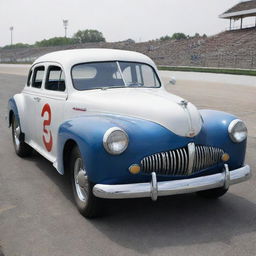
<point>18,45</point>
<point>179,36</point>
<point>88,36</point>
<point>164,38</point>
<point>55,41</point>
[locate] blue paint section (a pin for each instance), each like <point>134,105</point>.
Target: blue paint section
<point>145,138</point>
<point>12,106</point>
<point>215,133</point>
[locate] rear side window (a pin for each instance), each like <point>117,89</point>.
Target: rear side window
<point>55,80</point>
<point>29,81</point>
<point>38,77</point>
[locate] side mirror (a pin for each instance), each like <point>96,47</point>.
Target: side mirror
<point>172,81</point>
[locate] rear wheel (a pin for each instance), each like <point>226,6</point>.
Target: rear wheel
<point>22,149</point>
<point>87,204</point>
<point>213,193</point>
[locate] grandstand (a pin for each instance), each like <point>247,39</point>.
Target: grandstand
<point>229,49</point>
<point>240,11</point>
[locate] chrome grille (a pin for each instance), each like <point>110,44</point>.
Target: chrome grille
<point>181,161</point>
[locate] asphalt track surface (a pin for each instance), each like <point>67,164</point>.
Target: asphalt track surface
<point>38,216</point>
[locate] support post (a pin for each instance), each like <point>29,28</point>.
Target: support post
<point>241,23</point>
<point>230,24</point>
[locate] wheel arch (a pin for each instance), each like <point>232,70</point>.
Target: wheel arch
<point>68,146</point>
<point>10,116</point>
<point>16,107</point>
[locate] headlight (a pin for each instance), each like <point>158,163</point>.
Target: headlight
<point>237,131</point>
<point>115,141</point>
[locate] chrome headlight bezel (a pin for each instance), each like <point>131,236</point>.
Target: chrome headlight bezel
<point>237,134</point>
<point>109,134</point>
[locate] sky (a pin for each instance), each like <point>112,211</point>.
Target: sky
<point>141,20</point>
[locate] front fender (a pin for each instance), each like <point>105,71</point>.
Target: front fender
<point>16,105</point>
<point>215,133</point>
<point>145,138</point>
<point>12,108</point>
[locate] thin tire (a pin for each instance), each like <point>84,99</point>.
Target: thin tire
<point>22,149</point>
<point>87,204</point>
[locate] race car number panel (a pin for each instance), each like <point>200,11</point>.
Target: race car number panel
<point>47,134</point>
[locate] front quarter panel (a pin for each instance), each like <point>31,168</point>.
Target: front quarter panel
<point>215,133</point>
<point>16,105</point>
<point>145,138</point>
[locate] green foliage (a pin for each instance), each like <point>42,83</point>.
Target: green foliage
<point>165,38</point>
<point>179,36</point>
<point>18,45</point>
<point>175,36</point>
<point>55,41</point>
<point>197,35</point>
<point>88,36</point>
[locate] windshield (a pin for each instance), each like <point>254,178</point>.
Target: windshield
<point>103,75</point>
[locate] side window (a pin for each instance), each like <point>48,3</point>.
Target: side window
<point>38,77</point>
<point>55,80</point>
<point>127,74</point>
<point>149,78</point>
<point>29,81</point>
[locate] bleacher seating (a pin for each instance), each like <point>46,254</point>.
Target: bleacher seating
<point>231,49</point>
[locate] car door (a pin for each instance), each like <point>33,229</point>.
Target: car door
<point>32,95</point>
<point>51,110</point>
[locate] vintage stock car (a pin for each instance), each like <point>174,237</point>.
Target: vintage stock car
<point>104,118</point>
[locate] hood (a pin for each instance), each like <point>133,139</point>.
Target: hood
<point>156,105</point>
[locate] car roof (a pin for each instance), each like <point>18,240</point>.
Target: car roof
<point>68,58</point>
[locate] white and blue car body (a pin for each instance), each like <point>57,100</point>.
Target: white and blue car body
<point>105,118</point>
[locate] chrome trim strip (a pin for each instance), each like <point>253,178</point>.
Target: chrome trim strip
<point>164,162</point>
<point>191,157</point>
<point>153,187</point>
<point>174,162</point>
<point>174,187</point>
<point>168,162</point>
<point>227,176</point>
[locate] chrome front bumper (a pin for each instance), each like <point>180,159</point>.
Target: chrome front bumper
<point>174,187</point>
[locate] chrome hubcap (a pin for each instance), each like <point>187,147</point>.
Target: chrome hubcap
<point>81,180</point>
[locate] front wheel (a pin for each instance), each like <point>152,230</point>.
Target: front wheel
<point>213,193</point>
<point>87,204</point>
<point>22,149</point>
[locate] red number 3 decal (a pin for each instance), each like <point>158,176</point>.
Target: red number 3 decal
<point>47,122</point>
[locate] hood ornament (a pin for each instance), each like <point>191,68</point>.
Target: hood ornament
<point>191,133</point>
<point>183,103</point>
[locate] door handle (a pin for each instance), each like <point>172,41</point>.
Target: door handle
<point>37,99</point>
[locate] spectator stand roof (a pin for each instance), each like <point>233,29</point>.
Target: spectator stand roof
<point>241,10</point>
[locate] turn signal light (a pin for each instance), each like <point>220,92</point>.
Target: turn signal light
<point>134,169</point>
<point>225,157</point>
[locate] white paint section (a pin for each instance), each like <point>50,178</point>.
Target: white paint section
<point>154,105</point>
<point>68,58</point>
